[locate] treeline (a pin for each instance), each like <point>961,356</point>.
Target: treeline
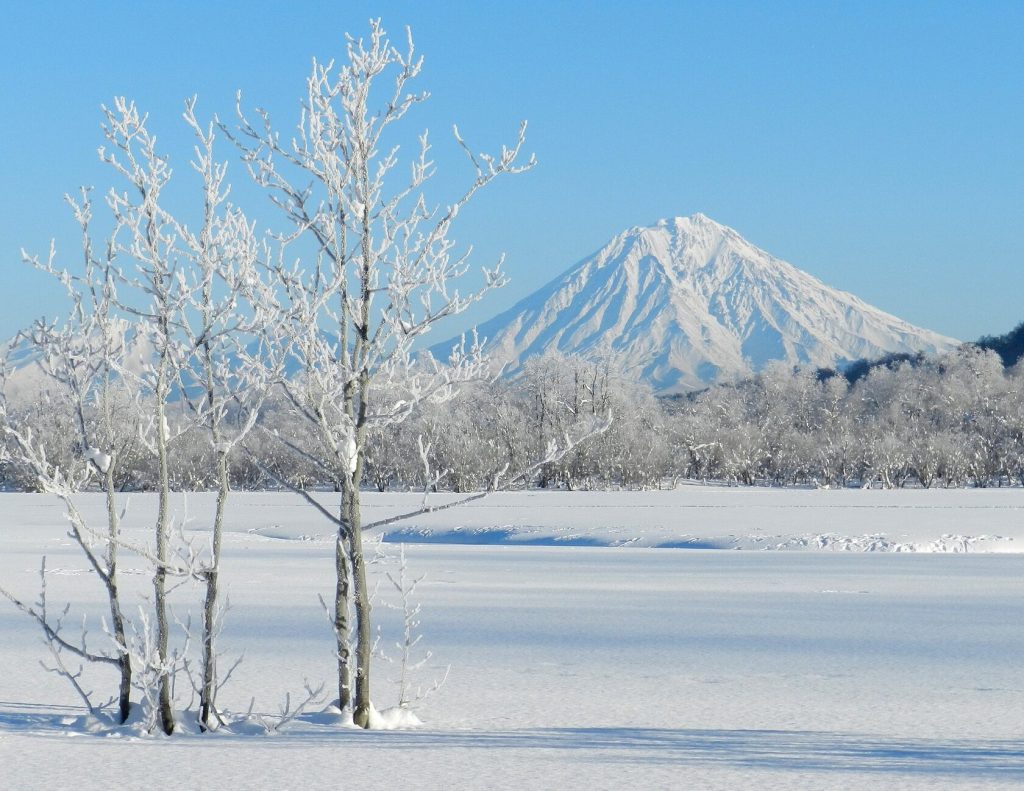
<point>1009,347</point>
<point>955,420</point>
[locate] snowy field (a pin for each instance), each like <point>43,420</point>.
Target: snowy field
<point>587,649</point>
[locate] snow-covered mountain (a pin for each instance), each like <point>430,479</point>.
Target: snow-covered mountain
<point>688,302</point>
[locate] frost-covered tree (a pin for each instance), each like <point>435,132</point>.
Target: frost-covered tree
<point>80,360</point>
<point>155,345</point>
<point>632,452</point>
<point>227,314</point>
<point>146,235</point>
<point>385,273</point>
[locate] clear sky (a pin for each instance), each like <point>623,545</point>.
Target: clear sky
<point>878,146</point>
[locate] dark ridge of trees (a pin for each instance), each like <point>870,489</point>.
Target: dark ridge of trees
<point>1009,347</point>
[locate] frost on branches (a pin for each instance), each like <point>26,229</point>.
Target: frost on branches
<point>384,272</point>
<point>186,342</point>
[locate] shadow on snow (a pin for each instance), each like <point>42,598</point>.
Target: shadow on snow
<point>779,750</point>
<point>487,537</point>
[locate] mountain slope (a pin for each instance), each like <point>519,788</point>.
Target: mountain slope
<point>688,302</point>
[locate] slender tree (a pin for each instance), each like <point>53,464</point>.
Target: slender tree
<point>385,274</point>
<point>147,237</point>
<point>225,315</point>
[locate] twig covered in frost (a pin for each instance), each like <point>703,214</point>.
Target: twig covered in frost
<point>289,711</point>
<point>153,669</point>
<point>405,586</point>
<point>57,644</point>
<point>213,718</point>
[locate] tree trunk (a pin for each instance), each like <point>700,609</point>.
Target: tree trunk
<point>364,643</point>
<point>124,662</point>
<point>341,607</point>
<point>361,596</point>
<point>160,577</point>
<point>208,693</point>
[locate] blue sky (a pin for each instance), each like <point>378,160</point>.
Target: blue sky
<point>877,146</point>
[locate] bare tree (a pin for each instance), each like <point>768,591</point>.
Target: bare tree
<point>384,275</point>
<point>410,658</point>
<point>81,358</point>
<point>146,235</point>
<point>224,316</point>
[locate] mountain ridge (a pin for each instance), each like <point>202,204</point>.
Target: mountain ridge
<point>688,301</point>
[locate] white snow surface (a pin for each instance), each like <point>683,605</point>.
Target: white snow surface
<point>611,666</point>
<point>688,302</point>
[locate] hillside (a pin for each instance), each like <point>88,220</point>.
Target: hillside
<point>687,302</point>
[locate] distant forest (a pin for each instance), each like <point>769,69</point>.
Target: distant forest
<point>947,421</point>
<point>1009,347</point>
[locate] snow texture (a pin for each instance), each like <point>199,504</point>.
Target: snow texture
<point>576,666</point>
<point>688,302</point>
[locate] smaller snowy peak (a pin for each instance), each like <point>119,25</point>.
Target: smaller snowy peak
<point>687,301</point>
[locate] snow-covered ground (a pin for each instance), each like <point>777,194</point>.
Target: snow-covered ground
<point>608,666</point>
